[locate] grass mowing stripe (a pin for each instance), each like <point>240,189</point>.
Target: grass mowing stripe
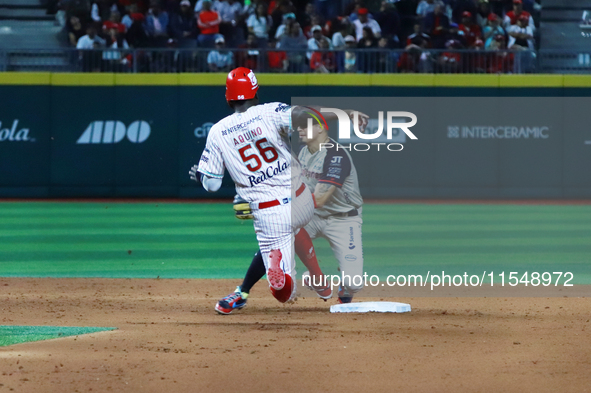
<point>205,240</point>
<point>399,230</point>
<point>109,243</point>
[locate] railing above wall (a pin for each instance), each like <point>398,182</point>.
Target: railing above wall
<point>197,60</point>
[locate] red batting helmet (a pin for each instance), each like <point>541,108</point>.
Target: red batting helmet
<point>241,84</point>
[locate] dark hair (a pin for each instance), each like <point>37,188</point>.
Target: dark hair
<point>369,32</point>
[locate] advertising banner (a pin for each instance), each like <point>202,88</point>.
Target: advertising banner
<point>141,141</point>
<point>25,138</point>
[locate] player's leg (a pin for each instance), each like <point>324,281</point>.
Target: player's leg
<point>238,298</point>
<point>316,281</point>
<point>307,254</point>
<point>302,209</point>
<point>273,230</point>
<point>344,237</point>
<point>255,272</point>
<point>304,249</point>
<point>275,272</point>
<point>303,214</point>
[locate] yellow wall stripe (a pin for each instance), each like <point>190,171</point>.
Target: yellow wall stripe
<point>338,79</point>
<point>577,80</point>
<point>25,78</point>
<point>467,80</point>
<point>80,79</point>
<point>217,79</point>
<point>532,80</point>
<point>202,79</point>
<point>147,79</point>
<point>282,79</point>
<point>418,80</point>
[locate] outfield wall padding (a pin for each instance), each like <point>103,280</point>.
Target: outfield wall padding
<point>107,135</point>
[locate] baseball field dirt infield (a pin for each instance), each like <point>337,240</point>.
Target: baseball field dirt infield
<point>169,339</point>
<point>154,271</point>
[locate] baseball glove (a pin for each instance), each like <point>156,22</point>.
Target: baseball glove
<point>242,209</point>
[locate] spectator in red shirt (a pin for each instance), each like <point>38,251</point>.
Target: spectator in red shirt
<point>323,62</point>
<point>478,59</point>
<point>277,59</point>
<point>114,22</point>
<point>471,30</point>
<point>209,23</point>
<point>511,17</point>
<point>501,62</point>
<point>450,61</point>
<point>411,59</point>
<point>436,24</point>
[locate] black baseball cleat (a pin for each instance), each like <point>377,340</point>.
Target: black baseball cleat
<point>233,301</point>
<point>345,299</point>
<point>344,296</point>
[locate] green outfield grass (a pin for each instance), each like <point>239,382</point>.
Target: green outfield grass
<point>10,335</point>
<point>194,240</point>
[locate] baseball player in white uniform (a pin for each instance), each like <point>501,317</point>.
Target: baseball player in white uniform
<point>251,145</point>
<point>333,177</point>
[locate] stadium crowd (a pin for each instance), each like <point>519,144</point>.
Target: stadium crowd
<point>451,36</point>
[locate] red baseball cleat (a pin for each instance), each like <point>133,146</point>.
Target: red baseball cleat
<point>275,275</point>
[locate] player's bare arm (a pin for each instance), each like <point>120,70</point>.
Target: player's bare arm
<point>322,194</point>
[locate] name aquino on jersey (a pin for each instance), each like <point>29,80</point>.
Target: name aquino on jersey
<point>268,173</point>
<point>247,136</point>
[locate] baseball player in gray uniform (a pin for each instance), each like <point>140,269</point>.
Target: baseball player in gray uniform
<point>330,172</point>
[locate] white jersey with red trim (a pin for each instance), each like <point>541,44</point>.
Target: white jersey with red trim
<point>253,146</point>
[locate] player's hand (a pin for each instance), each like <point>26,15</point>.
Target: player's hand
<point>242,209</point>
<point>193,174</point>
<point>362,119</point>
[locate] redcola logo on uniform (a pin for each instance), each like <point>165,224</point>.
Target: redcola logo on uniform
<point>268,173</point>
<point>393,121</point>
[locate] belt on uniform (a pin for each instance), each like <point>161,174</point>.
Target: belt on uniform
<point>277,202</point>
<point>350,213</point>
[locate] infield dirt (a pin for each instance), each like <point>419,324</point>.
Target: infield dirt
<point>169,339</point>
